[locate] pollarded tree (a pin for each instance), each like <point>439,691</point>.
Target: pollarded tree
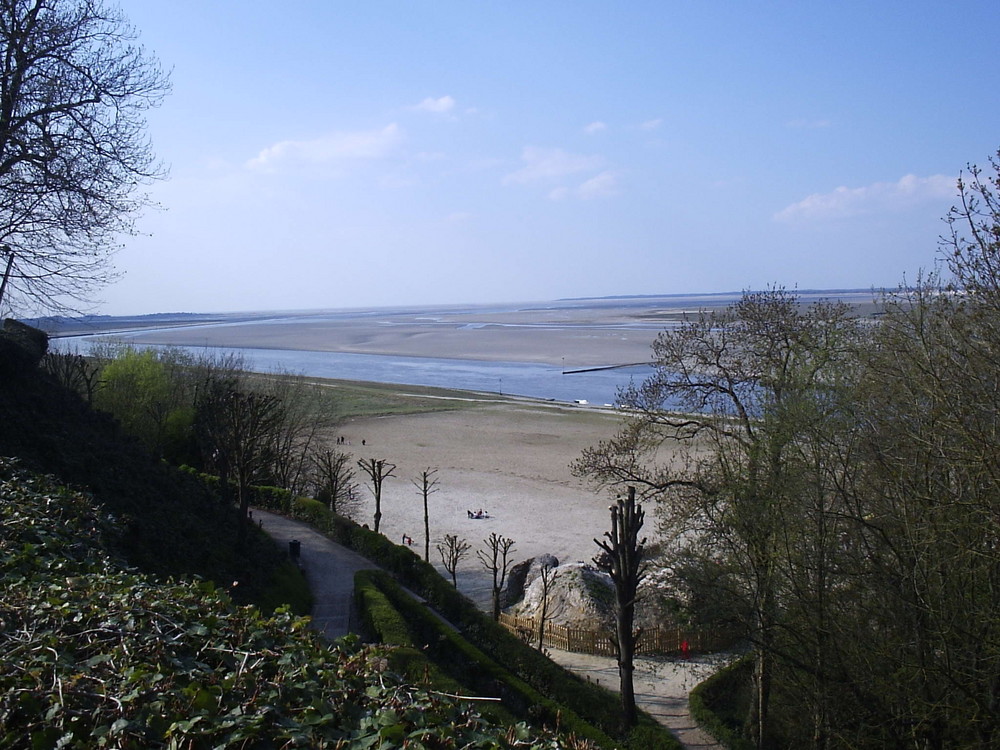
<point>378,470</point>
<point>452,550</point>
<point>74,90</point>
<point>427,485</point>
<point>622,560</point>
<point>495,559</point>
<point>713,435</point>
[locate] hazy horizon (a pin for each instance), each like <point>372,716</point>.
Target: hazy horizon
<point>511,304</point>
<point>399,153</point>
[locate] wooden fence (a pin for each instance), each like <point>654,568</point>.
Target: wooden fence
<point>583,640</point>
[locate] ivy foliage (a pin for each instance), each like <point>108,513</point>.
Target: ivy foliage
<point>96,655</point>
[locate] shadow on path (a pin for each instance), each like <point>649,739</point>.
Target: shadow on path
<point>661,687</point>
<point>329,568</point>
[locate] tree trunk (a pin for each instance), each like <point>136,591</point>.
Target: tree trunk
<point>244,498</point>
<point>427,532</point>
<point>626,668</point>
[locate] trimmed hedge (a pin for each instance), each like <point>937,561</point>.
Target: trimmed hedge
<point>386,624</point>
<point>403,621</point>
<point>94,654</point>
<point>599,705</point>
<point>720,704</point>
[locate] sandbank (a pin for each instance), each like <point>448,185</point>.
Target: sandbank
<point>578,337</point>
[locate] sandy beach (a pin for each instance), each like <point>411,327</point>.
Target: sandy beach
<point>508,459</point>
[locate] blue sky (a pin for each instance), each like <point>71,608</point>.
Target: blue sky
<point>356,154</point>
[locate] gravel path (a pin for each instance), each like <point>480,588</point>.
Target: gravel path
<point>661,687</point>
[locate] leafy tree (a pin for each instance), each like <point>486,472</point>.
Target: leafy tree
<point>714,435</point>
<point>74,89</point>
<point>917,631</point>
<point>307,416</point>
<point>73,371</point>
<point>238,430</point>
<point>496,560</point>
<point>135,388</point>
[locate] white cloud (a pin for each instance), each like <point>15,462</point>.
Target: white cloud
<point>595,127</point>
<point>651,124</point>
<point>876,198</point>
<point>331,148</point>
<point>441,105</point>
<point>550,164</point>
<point>602,185</point>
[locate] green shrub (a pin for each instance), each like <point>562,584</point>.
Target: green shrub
<point>383,622</point>
<point>287,588</point>
<point>721,704</point>
<point>599,705</point>
<point>93,654</point>
<point>398,619</point>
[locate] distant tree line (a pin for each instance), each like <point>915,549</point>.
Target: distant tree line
<point>833,484</point>
<point>211,413</point>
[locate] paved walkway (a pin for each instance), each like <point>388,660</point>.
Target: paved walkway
<point>661,687</point>
<point>329,568</point>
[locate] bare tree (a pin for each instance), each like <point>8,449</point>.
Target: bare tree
<point>452,550</point>
<point>495,560</point>
<point>547,576</point>
<point>334,479</point>
<point>307,415</point>
<point>427,484</point>
<point>622,560</point>
<point>74,371</point>
<point>74,89</point>
<point>378,470</point>
<point>716,435</point>
<point>238,429</point>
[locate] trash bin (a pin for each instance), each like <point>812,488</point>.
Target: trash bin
<point>294,549</point>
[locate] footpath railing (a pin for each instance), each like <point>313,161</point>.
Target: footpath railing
<point>583,640</point>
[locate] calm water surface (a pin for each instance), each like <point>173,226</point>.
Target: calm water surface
<point>511,378</point>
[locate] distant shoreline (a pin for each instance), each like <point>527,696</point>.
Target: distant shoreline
<point>570,334</point>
